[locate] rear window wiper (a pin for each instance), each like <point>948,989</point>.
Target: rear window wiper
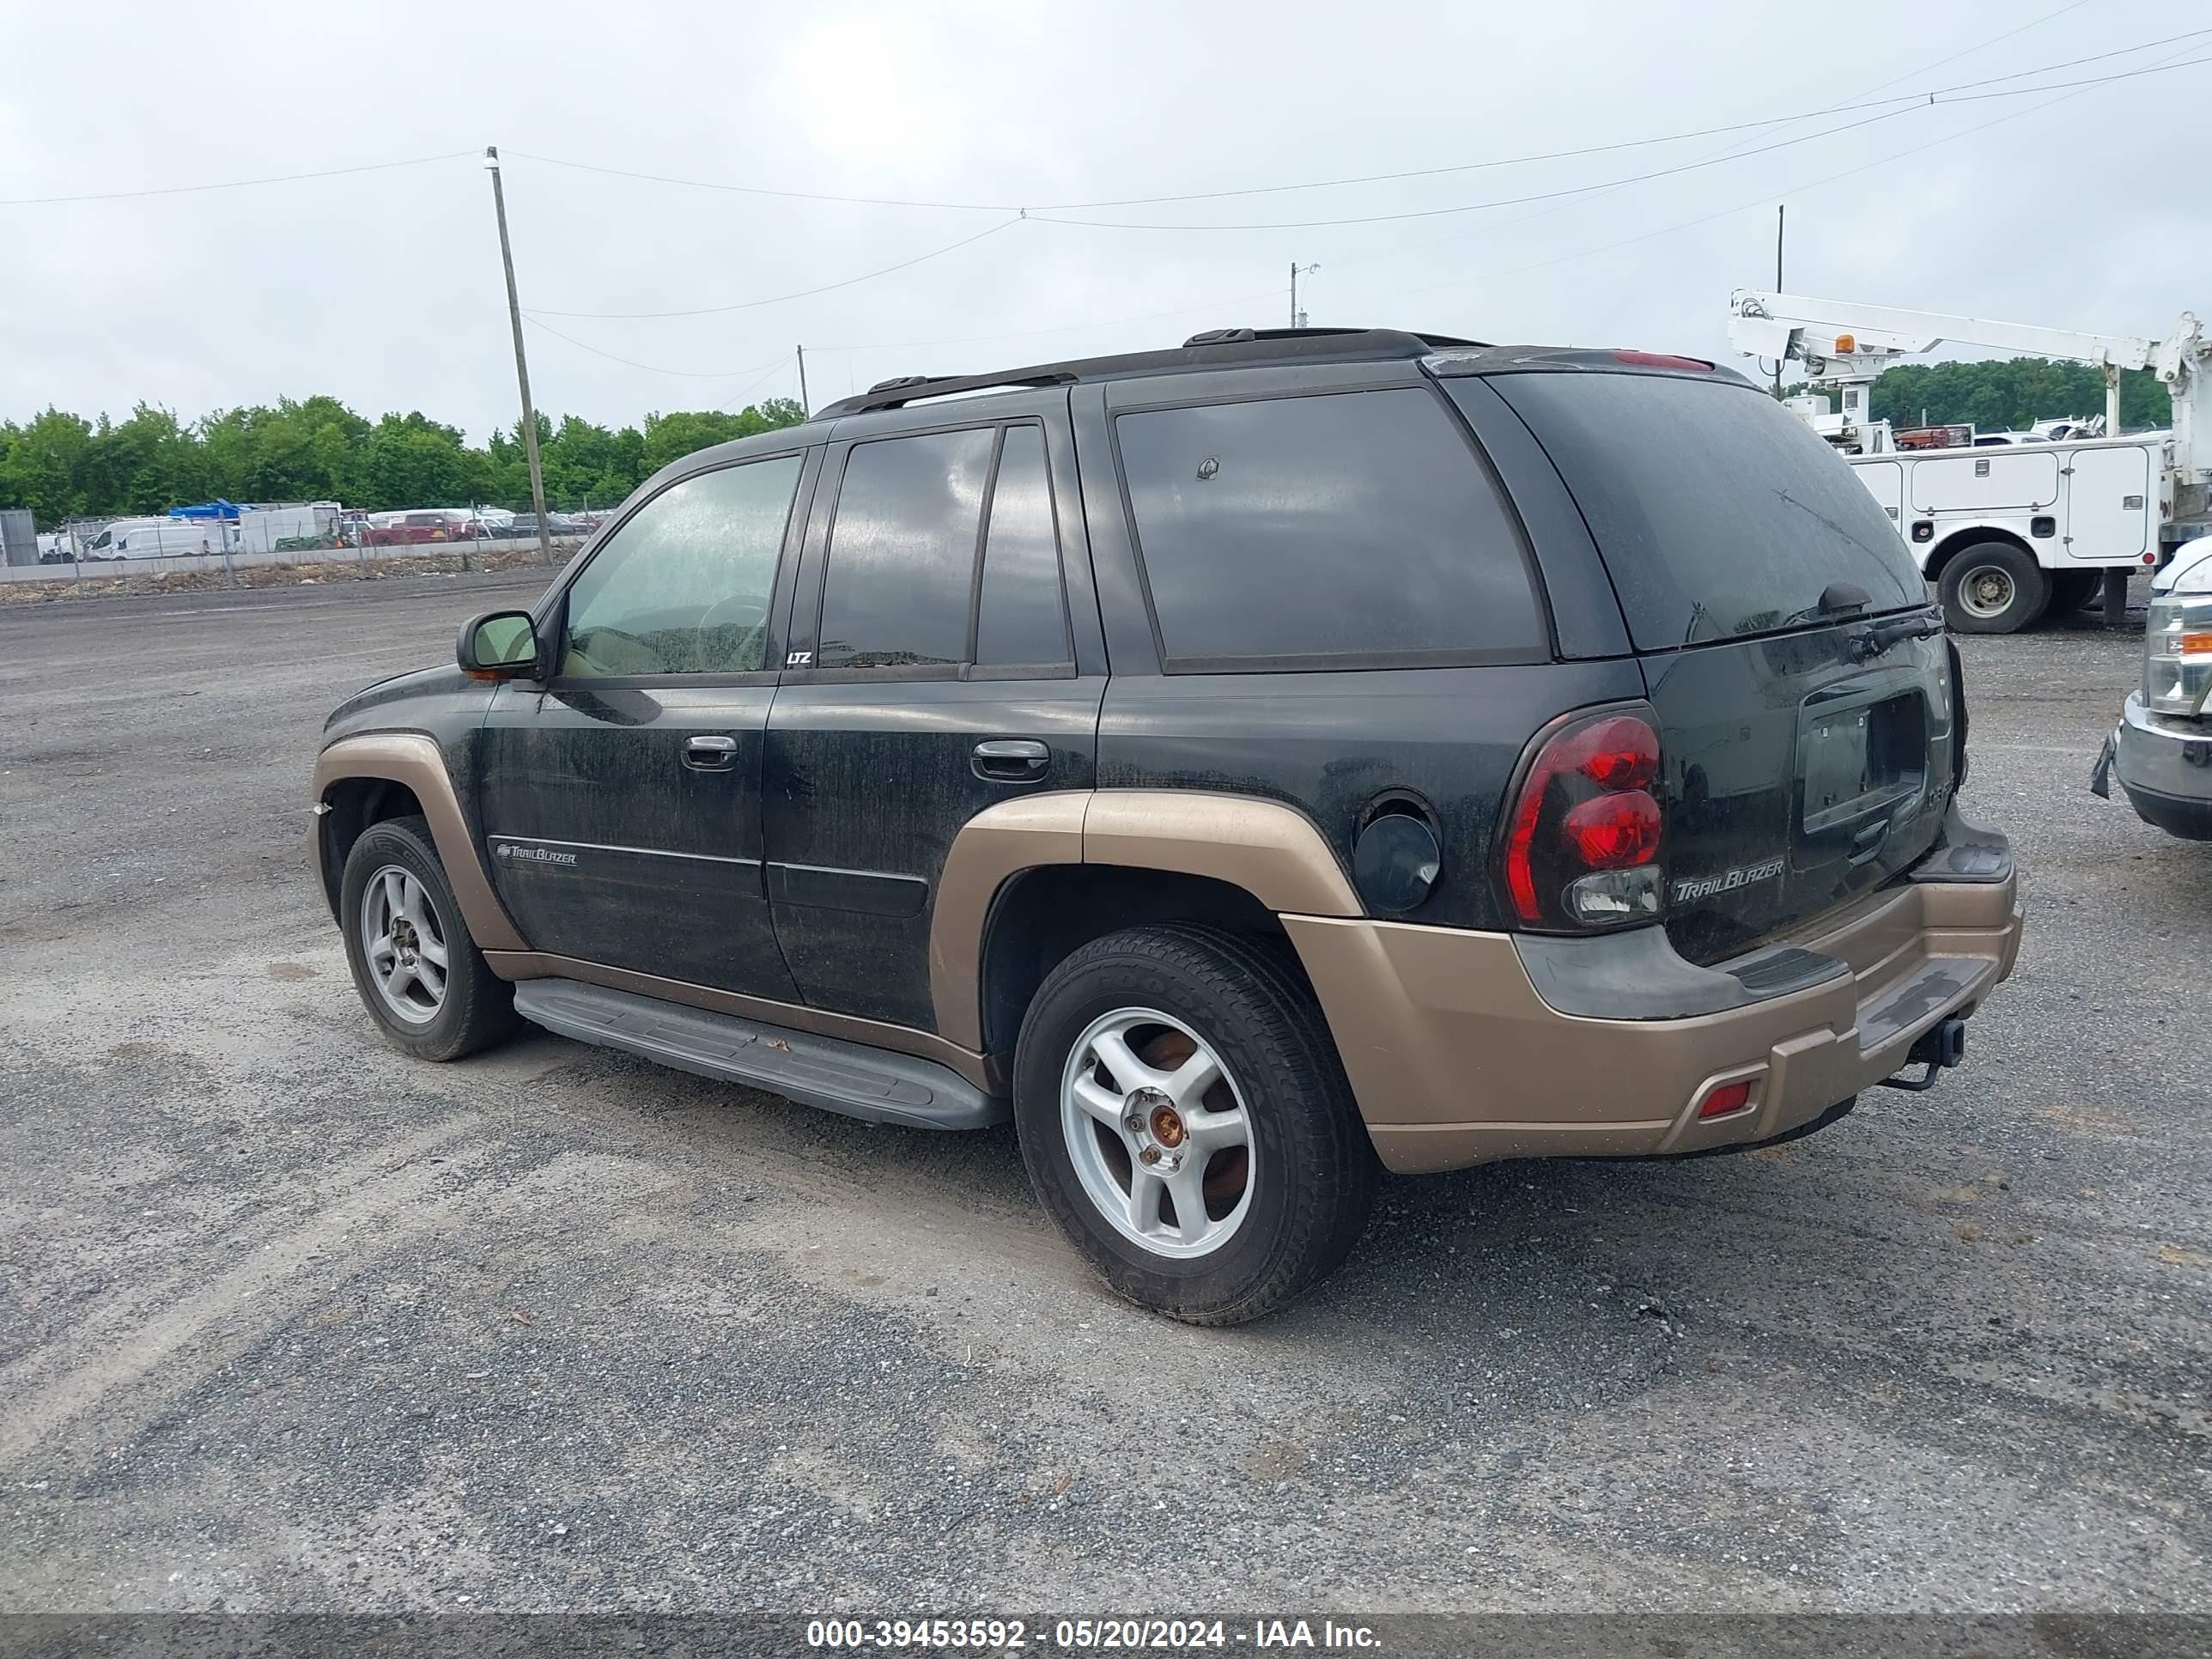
<point>1879,636</point>
<point>1837,599</point>
<point>1842,599</point>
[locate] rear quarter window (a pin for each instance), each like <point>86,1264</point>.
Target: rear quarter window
<point>1717,512</point>
<point>1327,531</point>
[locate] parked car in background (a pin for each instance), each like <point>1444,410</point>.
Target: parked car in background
<point>2161,749</point>
<point>414,525</point>
<point>556,524</point>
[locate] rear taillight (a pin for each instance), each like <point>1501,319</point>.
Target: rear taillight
<point>1582,834</point>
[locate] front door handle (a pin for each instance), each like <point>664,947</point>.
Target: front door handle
<point>1011,760</point>
<point>710,754</point>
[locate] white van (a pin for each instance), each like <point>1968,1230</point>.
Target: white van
<point>155,538</point>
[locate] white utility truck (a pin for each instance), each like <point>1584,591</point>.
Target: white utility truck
<point>2010,532</point>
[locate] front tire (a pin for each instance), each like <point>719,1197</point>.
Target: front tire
<point>419,973</point>
<point>1992,588</point>
<point>1186,1120</point>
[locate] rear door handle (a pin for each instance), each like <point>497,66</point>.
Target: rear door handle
<point>710,754</point>
<point>1010,760</point>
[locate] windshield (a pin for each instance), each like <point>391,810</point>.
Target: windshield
<point>1718,512</point>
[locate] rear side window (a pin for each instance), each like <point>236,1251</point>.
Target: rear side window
<point>903,551</point>
<point>1322,531</point>
<point>1717,512</point>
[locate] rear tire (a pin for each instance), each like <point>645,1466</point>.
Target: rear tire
<point>398,916</point>
<point>1992,588</point>
<point>2070,590</point>
<point>1110,1089</point>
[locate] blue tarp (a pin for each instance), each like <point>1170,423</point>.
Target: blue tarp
<point>217,508</point>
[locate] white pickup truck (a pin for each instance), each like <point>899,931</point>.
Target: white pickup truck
<point>2162,748</point>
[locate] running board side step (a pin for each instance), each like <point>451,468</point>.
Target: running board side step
<point>847,1078</point>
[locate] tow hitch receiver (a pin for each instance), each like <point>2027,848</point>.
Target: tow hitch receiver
<point>1942,1045</point>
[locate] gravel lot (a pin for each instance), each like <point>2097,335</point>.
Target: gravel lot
<point>291,1323</point>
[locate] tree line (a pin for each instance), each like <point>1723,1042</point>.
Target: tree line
<point>61,465</point>
<point>2011,396</point>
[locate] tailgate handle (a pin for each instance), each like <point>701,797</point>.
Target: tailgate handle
<point>1868,841</point>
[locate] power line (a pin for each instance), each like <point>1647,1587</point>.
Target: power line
<point>1941,94</point>
<point>235,184</point>
<point>650,368</point>
<point>1928,101</point>
<point>1768,197</point>
<point>1900,100</point>
<point>1849,107</point>
<point>1999,40</point>
<point>802,293</point>
<point>1498,202</point>
<point>1222,306</point>
<point>1212,307</point>
<point>761,190</point>
<point>1848,104</point>
<point>754,384</point>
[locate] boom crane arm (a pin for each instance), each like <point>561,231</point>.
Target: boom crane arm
<point>1858,342</point>
<point>1790,324</point>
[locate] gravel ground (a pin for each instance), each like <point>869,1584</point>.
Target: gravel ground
<point>291,1323</point>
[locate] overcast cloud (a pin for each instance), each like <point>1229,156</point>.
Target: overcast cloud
<point>384,287</point>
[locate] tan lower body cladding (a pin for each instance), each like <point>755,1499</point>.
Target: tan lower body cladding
<point>1456,1060</point>
<point>1454,1057</point>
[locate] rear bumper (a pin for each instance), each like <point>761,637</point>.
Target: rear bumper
<point>2165,765</point>
<point>1457,1059</point>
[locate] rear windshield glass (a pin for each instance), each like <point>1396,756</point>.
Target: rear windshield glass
<point>1716,510</point>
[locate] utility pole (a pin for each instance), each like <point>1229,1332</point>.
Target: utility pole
<point>521,362</point>
<point>1298,320</point>
<point>804,406</point>
<point>1779,209</point>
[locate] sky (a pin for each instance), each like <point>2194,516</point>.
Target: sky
<point>988,125</point>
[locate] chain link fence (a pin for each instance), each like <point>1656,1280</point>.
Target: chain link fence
<point>125,554</point>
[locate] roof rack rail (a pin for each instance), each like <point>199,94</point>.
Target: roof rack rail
<point>903,389</point>
<point>1219,348</point>
<point>1238,335</point>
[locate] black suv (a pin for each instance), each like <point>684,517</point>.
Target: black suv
<point>1245,766</point>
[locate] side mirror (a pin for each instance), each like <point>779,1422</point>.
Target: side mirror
<point>499,645</point>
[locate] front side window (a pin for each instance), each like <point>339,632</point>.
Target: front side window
<point>684,586</point>
<point>902,558</point>
<point>1305,531</point>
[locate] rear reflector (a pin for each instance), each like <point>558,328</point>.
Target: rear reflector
<point>1729,1097</point>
